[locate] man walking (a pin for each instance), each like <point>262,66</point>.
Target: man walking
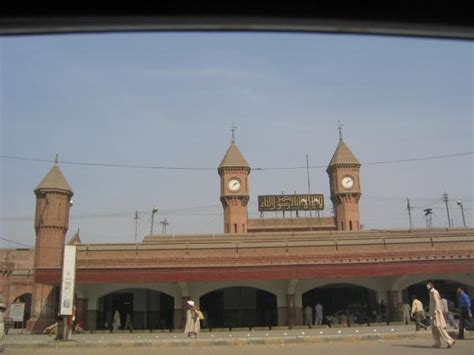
<point>128,323</point>
<point>448,313</point>
<point>438,323</point>
<point>417,312</point>
<point>465,310</point>
<point>116,323</point>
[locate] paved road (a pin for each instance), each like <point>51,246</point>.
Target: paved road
<point>420,346</point>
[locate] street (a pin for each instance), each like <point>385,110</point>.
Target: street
<point>385,347</point>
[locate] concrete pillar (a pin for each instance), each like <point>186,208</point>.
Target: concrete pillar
<point>393,307</point>
<point>291,309</point>
<point>282,316</point>
<point>180,314</point>
<point>91,319</point>
<point>81,312</point>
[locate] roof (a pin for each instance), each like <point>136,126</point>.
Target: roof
<point>233,157</point>
<point>54,180</point>
<point>76,239</point>
<point>343,155</point>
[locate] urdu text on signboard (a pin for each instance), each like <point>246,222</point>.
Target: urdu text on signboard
<point>305,202</point>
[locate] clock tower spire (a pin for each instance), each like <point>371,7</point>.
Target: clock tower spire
<point>344,180</point>
<point>234,171</point>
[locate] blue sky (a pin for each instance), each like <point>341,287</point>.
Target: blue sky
<point>169,99</point>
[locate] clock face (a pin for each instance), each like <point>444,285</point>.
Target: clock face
<point>234,185</point>
<point>347,182</point>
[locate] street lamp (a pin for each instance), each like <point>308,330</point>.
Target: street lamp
<point>459,203</point>
<point>153,211</point>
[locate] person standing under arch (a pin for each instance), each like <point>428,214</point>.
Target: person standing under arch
<point>308,316</point>
<point>319,314</point>
<point>116,323</point>
<point>193,325</point>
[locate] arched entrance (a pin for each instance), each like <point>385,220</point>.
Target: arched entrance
<point>356,302</point>
<point>446,289</point>
<point>149,309</point>
<point>234,307</point>
<point>26,299</point>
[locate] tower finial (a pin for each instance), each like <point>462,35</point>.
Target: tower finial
<point>339,127</point>
<point>233,128</point>
<point>56,159</point>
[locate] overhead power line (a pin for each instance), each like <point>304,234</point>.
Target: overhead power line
<point>160,167</point>
<point>15,242</point>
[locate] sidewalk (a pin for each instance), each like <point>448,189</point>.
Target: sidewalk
<point>223,337</point>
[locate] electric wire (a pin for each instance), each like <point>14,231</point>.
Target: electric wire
<point>159,167</point>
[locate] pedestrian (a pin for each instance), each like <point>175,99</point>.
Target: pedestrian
<point>2,322</point>
<point>116,323</point>
<point>193,325</point>
<point>417,312</point>
<point>128,323</point>
<point>464,310</point>
<point>308,316</point>
<point>319,314</point>
<point>383,311</point>
<point>438,323</point>
<point>406,313</point>
<point>343,320</point>
<point>448,314</point>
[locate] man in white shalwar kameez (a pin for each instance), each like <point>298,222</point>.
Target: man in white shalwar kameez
<point>438,323</point>
<point>193,325</point>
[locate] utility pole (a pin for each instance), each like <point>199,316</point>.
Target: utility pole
<point>153,211</point>
<point>409,213</point>
<point>136,225</point>
<point>459,203</point>
<point>445,199</point>
<point>309,185</point>
<point>296,212</point>
<point>164,224</point>
<point>428,215</point>
<point>282,193</point>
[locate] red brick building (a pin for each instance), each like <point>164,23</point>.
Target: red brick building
<point>259,272</point>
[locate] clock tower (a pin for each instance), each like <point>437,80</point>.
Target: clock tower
<point>234,171</point>
<point>344,180</point>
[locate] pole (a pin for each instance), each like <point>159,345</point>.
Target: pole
<point>409,213</point>
<point>282,193</point>
<point>151,227</point>
<point>445,199</point>
<point>136,226</point>
<point>462,213</point>
<point>309,185</point>
<point>153,211</point>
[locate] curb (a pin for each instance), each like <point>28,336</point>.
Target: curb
<point>215,342</point>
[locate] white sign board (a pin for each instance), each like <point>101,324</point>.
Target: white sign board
<point>17,312</point>
<point>68,280</point>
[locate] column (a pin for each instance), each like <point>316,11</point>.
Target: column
<point>81,312</point>
<point>180,314</point>
<point>43,307</point>
<point>291,309</point>
<point>393,307</point>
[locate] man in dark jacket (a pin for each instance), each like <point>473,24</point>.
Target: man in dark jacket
<point>465,311</point>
